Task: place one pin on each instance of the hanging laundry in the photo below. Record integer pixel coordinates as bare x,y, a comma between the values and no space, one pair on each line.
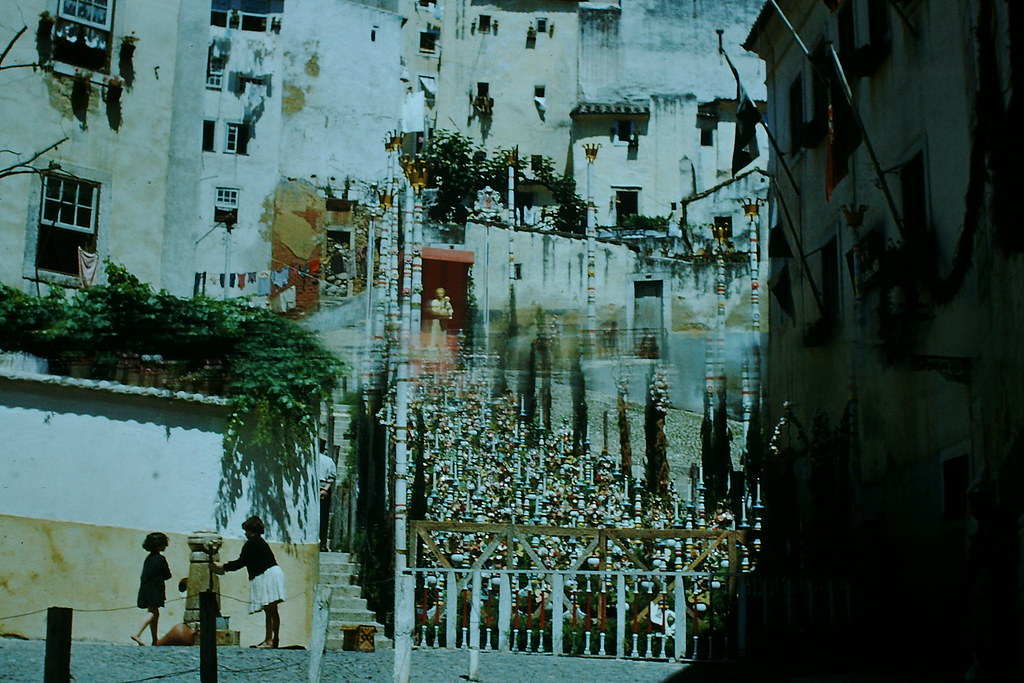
231,279
200,284
263,283
279,278
222,279
241,280
88,267
284,301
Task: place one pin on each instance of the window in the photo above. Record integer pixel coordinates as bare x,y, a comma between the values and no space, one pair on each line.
82,33
254,22
915,201
844,22
796,113
538,91
237,140
626,204
542,25
209,131
428,42
830,280
214,72
624,132
249,15
484,23
517,271
67,221
955,482
707,137
483,89
225,206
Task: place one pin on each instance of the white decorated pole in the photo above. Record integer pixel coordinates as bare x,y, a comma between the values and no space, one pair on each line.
590,150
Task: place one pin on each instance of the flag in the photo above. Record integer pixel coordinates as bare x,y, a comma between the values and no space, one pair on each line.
744,148
844,134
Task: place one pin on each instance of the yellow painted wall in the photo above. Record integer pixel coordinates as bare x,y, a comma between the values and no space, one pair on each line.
95,570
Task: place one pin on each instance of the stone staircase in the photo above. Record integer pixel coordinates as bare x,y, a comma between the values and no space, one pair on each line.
347,607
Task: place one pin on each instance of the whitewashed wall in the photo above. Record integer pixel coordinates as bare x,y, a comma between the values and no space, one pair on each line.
89,471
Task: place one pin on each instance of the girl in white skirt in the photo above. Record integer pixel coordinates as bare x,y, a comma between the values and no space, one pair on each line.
266,580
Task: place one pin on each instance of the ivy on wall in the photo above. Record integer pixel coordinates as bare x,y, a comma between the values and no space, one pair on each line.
274,373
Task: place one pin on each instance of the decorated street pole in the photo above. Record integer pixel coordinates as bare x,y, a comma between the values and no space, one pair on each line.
854,219
590,150
416,174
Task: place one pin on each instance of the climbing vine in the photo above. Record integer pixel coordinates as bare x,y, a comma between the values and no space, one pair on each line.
273,373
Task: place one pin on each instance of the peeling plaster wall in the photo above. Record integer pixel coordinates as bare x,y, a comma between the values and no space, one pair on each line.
512,69
328,95
663,55
36,110
87,474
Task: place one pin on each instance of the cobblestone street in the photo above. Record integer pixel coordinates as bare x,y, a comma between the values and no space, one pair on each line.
21,661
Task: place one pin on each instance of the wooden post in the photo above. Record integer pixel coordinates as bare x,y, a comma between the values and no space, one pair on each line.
679,639
208,637
504,611
621,614
474,629
741,618
58,645
318,637
557,604
451,607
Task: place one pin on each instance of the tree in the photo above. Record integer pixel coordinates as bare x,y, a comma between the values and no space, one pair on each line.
22,166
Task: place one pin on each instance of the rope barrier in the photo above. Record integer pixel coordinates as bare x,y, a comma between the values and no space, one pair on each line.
134,607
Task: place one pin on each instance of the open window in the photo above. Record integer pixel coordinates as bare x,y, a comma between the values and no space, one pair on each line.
214,71
225,206
236,140
627,203
247,15
209,135
428,42
67,221
81,34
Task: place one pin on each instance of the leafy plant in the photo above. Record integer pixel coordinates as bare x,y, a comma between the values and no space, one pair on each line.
279,373
460,168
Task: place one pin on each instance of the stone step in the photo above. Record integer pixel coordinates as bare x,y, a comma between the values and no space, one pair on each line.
347,603
350,617
345,590
335,557
340,574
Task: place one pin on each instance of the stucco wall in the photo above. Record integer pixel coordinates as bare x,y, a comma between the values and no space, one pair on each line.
88,472
130,161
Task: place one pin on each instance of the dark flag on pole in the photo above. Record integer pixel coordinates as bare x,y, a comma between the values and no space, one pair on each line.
744,149
843,131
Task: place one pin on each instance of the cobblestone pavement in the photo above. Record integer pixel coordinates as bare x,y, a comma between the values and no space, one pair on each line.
21,661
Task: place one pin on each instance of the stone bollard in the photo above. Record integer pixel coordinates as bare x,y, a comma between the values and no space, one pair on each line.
204,546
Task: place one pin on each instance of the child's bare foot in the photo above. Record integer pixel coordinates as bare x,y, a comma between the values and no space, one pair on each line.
136,639
265,645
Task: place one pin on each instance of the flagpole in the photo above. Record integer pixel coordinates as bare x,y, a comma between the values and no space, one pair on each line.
789,174
848,94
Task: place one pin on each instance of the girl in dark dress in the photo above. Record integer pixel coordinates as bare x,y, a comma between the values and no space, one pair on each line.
151,584
266,580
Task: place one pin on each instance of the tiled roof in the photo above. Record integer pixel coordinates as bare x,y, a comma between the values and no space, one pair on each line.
610,109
